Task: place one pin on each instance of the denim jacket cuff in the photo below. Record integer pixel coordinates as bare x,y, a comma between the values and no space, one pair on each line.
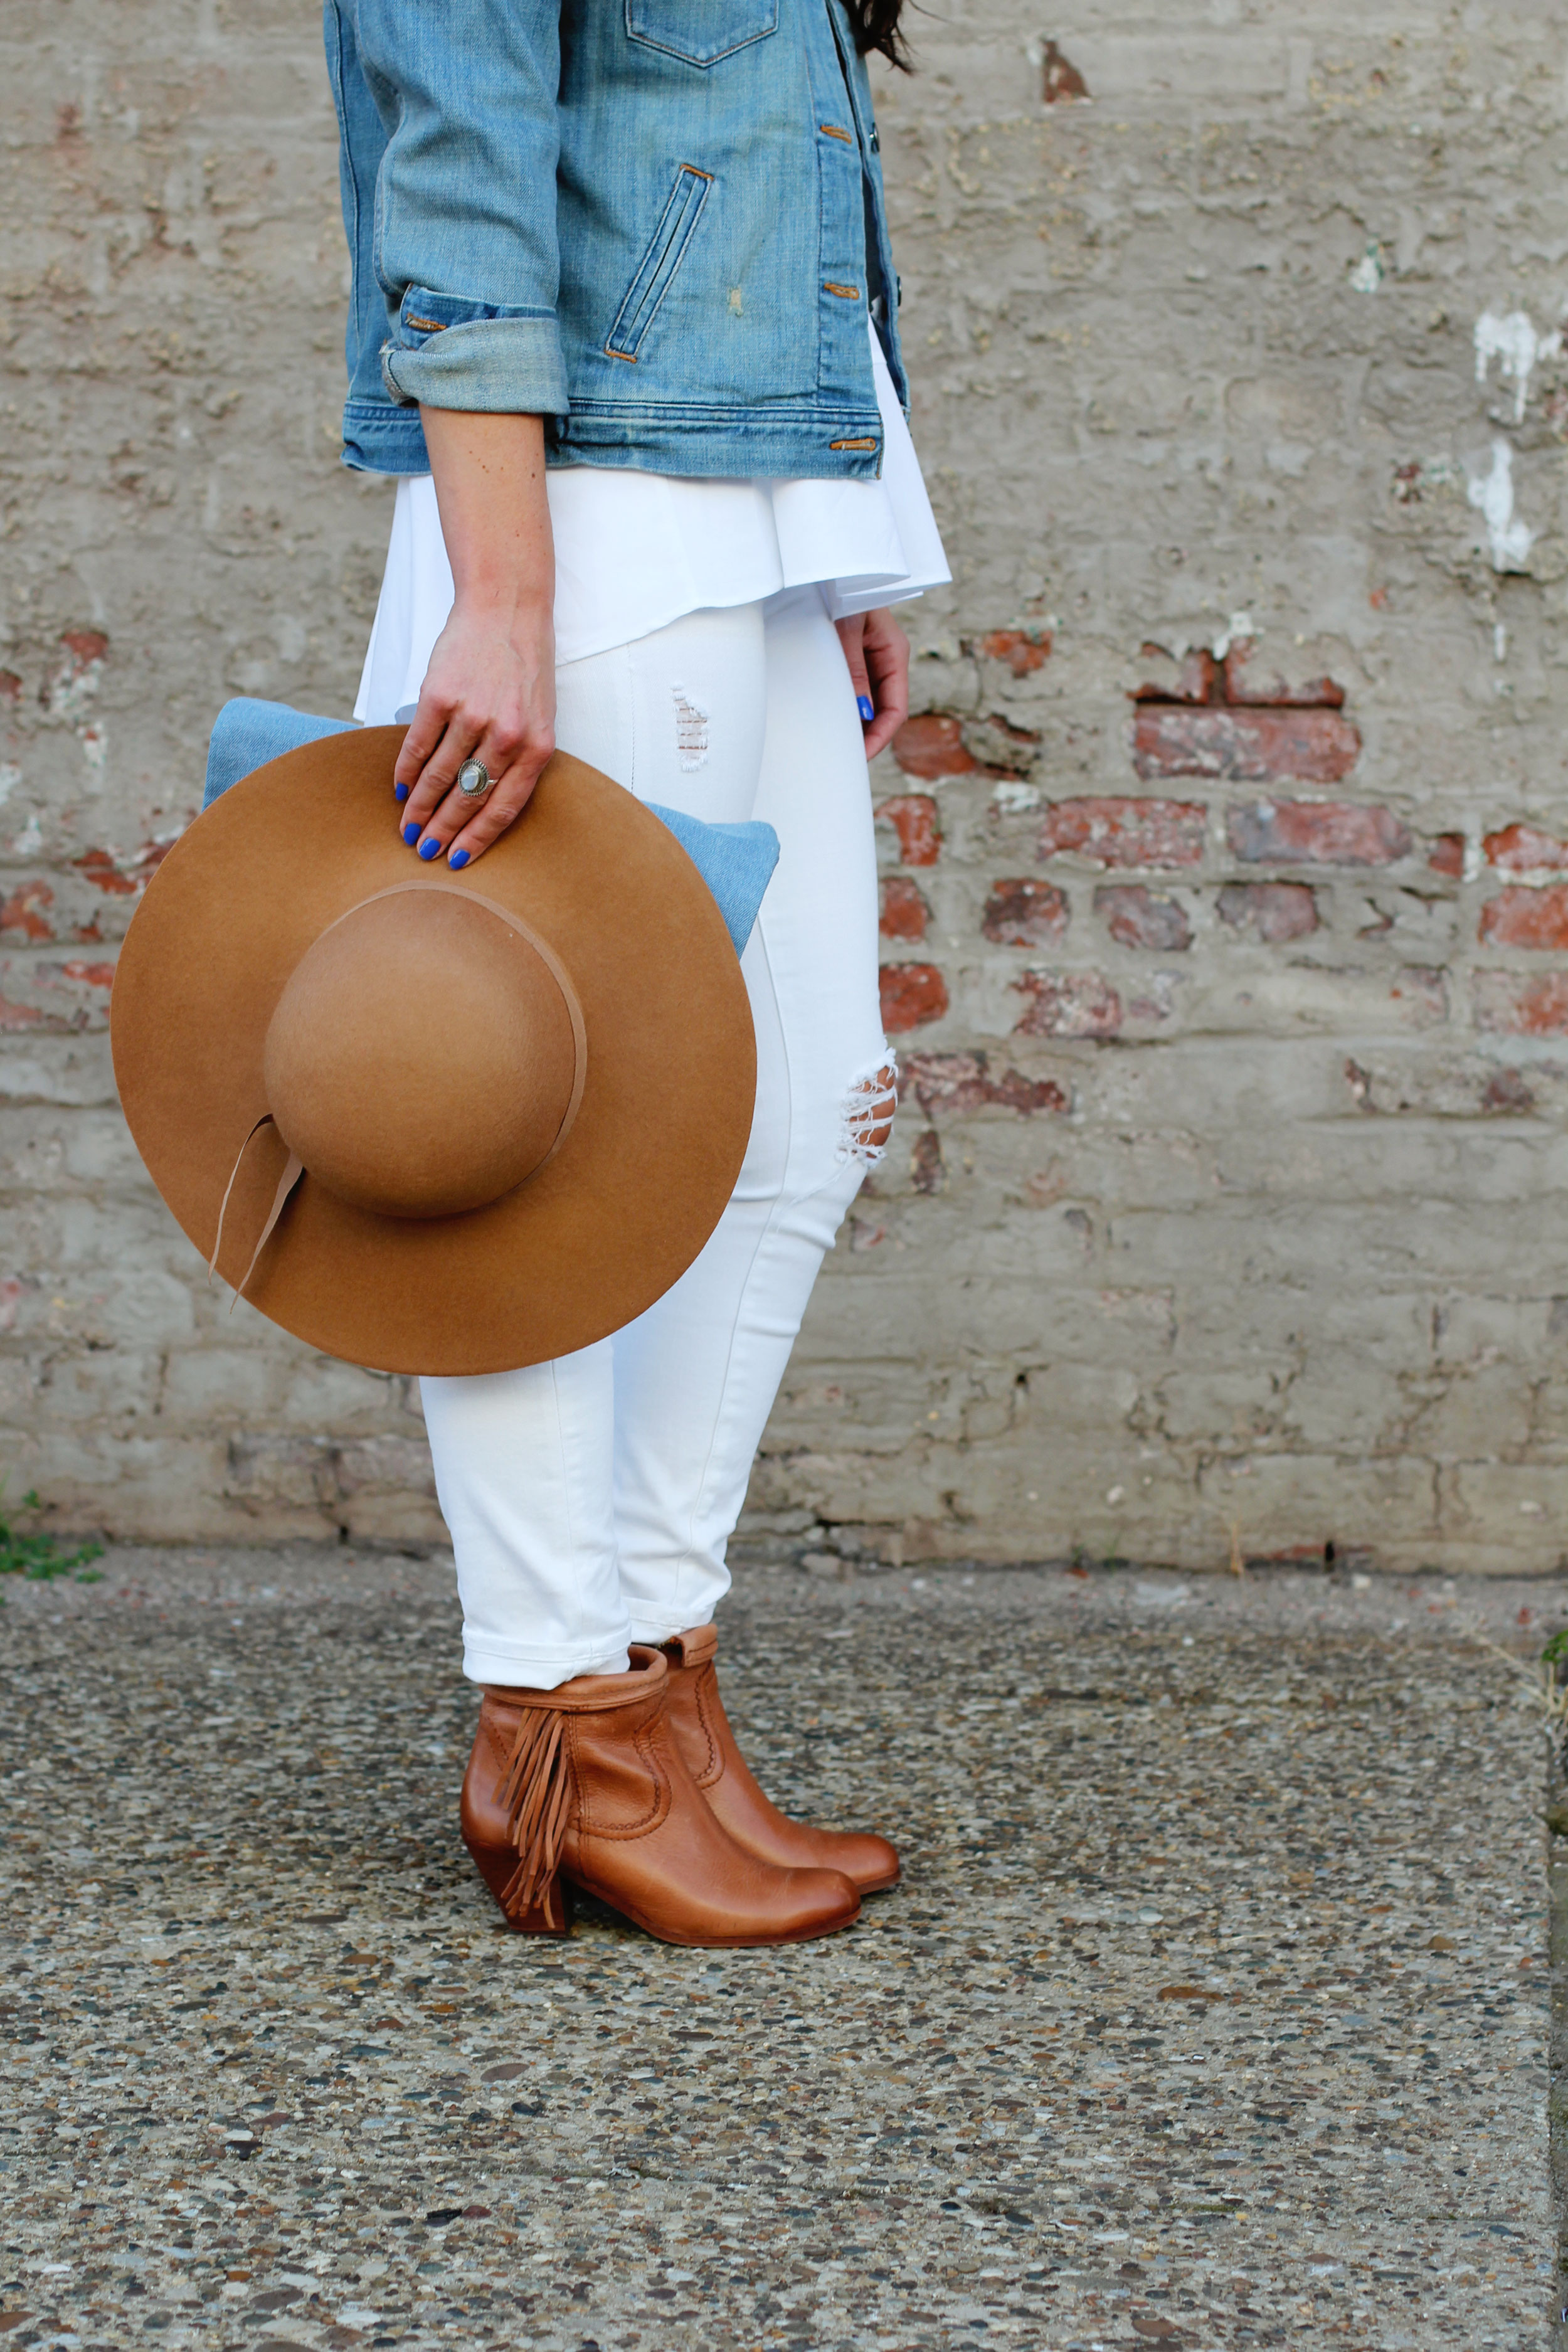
454,353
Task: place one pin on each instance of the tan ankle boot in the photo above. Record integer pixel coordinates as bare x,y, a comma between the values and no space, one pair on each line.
585,1786
702,1732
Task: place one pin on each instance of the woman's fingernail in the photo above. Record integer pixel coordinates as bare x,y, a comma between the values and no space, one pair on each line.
411,834
400,792
866,707
429,849
459,858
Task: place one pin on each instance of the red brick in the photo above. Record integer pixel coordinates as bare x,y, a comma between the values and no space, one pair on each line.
1024,913
912,995
913,818
1520,849
1131,832
1310,746
10,686
1506,1096
960,1083
931,746
24,911
93,975
1320,694
926,1174
1061,81
1022,650
1448,855
1068,1004
1522,1004
1315,832
102,867
84,646
15,1017
904,912
1277,911
1197,679
1139,918
1521,917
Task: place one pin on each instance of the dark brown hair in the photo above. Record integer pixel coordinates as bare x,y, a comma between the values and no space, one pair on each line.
876,23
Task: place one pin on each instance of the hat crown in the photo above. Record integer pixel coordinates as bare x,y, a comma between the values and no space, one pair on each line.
423,1057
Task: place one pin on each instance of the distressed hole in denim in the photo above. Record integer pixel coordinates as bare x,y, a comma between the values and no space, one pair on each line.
871,1100
690,730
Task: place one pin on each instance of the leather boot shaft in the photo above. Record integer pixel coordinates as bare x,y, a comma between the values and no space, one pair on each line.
702,1731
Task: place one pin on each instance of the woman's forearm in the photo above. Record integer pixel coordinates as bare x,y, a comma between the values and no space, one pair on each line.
490,692
490,487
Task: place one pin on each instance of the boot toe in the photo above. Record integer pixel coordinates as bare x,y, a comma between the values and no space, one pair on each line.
868,1860
824,1901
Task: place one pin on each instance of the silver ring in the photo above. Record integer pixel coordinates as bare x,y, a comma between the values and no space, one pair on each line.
474,780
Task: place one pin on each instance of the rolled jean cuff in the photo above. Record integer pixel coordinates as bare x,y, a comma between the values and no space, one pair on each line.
512,365
515,1666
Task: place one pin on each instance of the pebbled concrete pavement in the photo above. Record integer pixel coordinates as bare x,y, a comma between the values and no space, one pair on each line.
1213,2010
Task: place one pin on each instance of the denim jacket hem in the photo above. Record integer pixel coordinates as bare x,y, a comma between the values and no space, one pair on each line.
785,441
712,444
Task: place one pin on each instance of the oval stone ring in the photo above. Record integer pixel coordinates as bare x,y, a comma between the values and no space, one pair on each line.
474,780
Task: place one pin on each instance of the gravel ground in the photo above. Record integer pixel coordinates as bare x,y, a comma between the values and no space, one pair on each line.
1213,2010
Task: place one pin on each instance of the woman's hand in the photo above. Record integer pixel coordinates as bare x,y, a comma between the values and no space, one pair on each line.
490,692
878,653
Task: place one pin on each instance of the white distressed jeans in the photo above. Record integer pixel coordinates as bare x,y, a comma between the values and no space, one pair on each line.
590,1500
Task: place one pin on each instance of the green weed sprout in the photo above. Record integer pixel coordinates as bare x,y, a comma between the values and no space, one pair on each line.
39,1556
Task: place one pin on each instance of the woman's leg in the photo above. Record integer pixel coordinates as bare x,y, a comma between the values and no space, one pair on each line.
524,1460
695,1377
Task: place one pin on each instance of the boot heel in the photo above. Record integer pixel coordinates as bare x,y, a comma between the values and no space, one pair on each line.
549,1916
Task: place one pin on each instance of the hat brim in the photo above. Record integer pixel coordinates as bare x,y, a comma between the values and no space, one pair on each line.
580,1249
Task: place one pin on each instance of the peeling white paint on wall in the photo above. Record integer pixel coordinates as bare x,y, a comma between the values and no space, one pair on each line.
1367,275
1510,536
1513,343
1012,798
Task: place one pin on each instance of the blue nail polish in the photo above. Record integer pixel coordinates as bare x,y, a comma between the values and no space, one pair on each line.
459,858
429,849
411,834
400,792
866,707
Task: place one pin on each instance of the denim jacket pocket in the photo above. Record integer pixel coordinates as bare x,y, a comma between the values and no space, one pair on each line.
701,32
656,272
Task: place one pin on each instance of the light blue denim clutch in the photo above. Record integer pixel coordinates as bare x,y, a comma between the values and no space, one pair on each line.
736,861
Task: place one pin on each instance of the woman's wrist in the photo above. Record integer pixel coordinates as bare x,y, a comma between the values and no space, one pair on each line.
512,603
487,706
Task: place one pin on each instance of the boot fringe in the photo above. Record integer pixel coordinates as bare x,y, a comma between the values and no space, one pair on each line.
536,1791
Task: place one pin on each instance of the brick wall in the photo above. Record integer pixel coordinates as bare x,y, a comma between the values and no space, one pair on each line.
1225,878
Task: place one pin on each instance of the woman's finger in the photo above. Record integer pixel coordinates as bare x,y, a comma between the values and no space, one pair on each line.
852,637
425,732
888,660
463,824
500,809
438,774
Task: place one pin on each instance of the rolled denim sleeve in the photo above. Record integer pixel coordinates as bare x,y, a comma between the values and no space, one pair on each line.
464,232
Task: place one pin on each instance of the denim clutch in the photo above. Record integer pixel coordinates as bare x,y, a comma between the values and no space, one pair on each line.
736,861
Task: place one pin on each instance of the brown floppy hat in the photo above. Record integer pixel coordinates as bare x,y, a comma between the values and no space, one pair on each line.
432,1123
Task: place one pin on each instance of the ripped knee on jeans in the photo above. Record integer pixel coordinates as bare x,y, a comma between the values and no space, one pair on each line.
871,1099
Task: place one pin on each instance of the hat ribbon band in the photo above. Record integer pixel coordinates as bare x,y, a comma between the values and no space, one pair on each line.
293,1171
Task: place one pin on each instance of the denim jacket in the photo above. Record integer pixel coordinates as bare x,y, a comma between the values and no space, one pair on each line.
657,223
